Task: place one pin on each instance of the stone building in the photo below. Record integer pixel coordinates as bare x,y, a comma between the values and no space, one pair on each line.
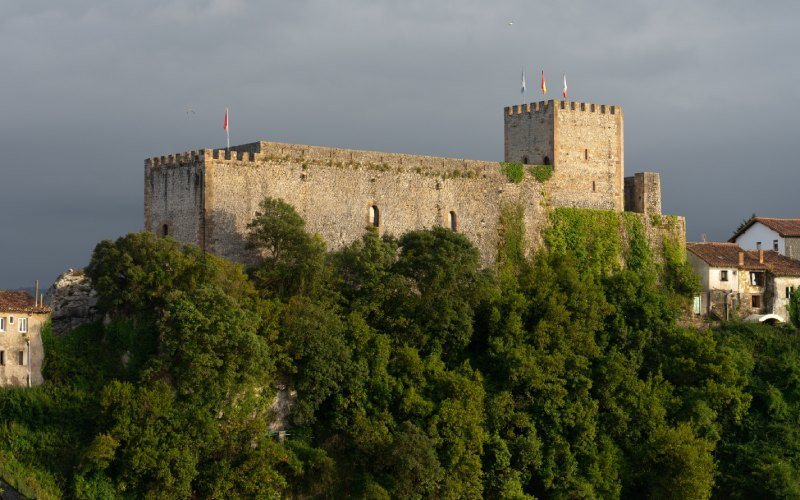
207,197
769,233
21,350
740,283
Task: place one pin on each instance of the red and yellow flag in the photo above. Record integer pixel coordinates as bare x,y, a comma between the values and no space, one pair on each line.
544,85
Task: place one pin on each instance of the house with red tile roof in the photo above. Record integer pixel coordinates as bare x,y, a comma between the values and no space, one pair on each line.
21,352
769,233
738,283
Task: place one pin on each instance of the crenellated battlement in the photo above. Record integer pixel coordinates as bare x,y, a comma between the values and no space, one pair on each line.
198,156
545,106
263,151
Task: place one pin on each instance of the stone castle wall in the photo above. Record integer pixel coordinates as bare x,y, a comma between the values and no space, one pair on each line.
583,142
643,193
208,197
334,191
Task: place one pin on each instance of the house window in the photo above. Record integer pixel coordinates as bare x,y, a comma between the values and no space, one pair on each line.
451,220
2,358
723,275
775,245
756,278
788,292
758,245
2,324
21,358
11,320
374,216
23,325
756,301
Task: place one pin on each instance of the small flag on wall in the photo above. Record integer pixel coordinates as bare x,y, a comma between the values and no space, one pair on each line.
544,85
565,86
227,129
522,90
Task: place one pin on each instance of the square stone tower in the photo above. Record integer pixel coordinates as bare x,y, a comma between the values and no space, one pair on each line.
584,143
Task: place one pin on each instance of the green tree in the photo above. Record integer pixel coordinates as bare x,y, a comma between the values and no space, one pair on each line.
290,261
794,307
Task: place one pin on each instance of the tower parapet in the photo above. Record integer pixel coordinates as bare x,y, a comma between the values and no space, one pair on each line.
584,142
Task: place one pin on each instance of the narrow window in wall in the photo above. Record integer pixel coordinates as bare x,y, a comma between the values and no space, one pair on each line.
525,160
585,154
23,325
451,221
2,358
2,324
11,320
756,301
546,160
788,292
164,230
21,357
374,216
594,187
758,245
775,245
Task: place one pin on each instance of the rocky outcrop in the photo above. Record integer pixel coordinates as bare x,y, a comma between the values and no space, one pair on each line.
72,300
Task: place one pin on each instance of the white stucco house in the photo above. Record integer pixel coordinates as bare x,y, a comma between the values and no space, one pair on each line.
768,233
738,283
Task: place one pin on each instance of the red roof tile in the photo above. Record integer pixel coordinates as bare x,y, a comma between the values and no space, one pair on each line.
17,301
727,255
785,227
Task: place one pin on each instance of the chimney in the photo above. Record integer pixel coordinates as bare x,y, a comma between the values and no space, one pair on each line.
36,295
741,259
761,256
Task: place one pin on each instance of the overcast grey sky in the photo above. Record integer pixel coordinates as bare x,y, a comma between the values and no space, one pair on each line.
89,89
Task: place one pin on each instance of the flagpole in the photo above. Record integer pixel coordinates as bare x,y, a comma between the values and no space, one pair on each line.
228,128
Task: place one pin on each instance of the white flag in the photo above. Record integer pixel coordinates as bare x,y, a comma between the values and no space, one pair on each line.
565,86
522,90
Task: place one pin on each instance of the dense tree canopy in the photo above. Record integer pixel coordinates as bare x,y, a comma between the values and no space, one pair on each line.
418,374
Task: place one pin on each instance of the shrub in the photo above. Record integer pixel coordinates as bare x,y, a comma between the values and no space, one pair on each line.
541,172
514,171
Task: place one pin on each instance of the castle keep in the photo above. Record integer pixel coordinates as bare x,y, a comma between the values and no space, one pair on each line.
207,197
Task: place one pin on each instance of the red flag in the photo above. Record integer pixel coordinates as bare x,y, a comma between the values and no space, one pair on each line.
225,125
565,86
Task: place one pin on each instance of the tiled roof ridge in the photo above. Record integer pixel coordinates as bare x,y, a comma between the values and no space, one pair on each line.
20,301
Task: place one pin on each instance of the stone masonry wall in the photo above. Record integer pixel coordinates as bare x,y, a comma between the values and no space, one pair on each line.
584,143
779,300
334,190
589,150
335,197
643,193
792,248
529,133
208,197
174,198
28,345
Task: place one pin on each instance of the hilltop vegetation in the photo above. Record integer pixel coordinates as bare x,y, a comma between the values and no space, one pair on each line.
418,374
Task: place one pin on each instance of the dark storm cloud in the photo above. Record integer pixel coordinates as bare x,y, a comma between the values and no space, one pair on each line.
89,89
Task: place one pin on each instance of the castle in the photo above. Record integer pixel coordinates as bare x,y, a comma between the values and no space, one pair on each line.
207,197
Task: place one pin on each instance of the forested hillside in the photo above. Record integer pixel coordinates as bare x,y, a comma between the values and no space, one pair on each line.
418,374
